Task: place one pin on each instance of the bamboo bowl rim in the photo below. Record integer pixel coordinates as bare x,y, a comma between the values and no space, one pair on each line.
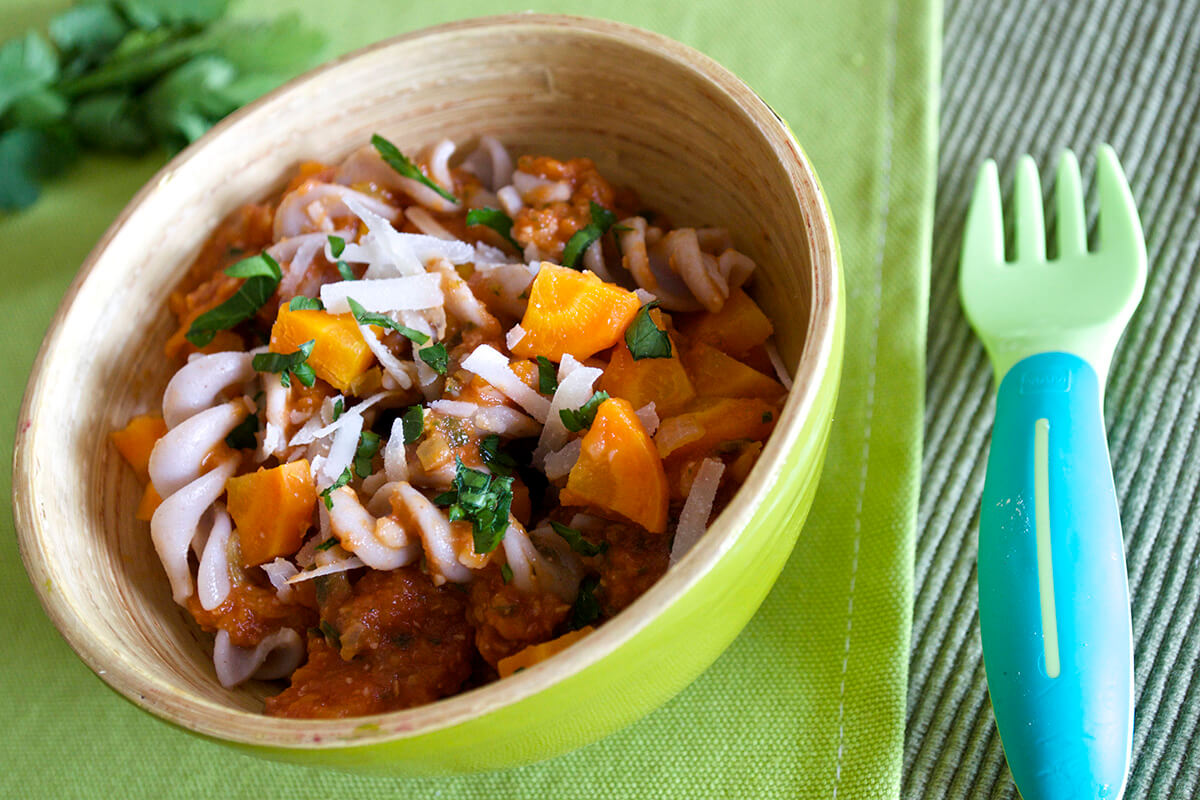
127,676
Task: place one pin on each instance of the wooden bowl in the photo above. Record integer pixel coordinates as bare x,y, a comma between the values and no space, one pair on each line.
689,136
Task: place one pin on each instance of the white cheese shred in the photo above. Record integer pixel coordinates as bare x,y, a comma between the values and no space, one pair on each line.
777,362
488,363
693,520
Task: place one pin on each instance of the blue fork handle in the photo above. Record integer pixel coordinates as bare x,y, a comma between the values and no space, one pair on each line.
1053,594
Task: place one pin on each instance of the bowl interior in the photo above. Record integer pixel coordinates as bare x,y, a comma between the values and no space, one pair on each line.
655,116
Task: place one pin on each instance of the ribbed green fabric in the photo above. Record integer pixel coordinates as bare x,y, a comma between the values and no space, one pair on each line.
809,701
1029,76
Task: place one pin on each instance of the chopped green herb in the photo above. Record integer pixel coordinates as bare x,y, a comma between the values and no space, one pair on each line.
644,338
336,245
344,270
327,492
506,573
482,499
586,609
436,357
582,417
331,635
368,446
327,544
767,416
242,436
602,220
399,162
288,364
498,461
262,274
547,376
497,220
339,405
578,543
302,303
413,424
364,317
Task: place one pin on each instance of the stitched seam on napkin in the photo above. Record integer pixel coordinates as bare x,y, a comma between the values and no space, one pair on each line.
885,195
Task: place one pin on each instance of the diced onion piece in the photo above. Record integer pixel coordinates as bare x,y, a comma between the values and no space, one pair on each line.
510,200
515,335
777,363
643,296
454,408
278,572
693,520
649,418
409,293
559,463
488,363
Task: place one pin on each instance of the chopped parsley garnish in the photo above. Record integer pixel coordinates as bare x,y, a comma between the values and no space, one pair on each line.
644,338
547,376
582,417
495,219
413,424
336,245
339,405
368,446
586,609
506,573
578,543
482,499
767,416
436,357
331,635
327,492
327,544
262,274
242,436
344,270
602,220
288,365
302,303
401,163
364,317
500,462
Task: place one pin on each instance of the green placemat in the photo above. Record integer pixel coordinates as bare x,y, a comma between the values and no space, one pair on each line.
1027,76
809,701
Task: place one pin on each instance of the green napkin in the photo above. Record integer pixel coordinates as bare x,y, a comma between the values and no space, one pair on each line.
809,701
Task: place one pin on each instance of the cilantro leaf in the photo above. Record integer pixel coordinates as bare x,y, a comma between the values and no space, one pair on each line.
262,275
27,63
302,303
242,436
436,357
111,121
582,417
331,635
547,376
368,446
578,543
326,493
506,573
364,317
586,609
183,104
288,364
339,405
27,156
336,246
328,544
498,461
497,220
644,338
399,162
412,424
85,33
344,270
484,500
602,220
151,14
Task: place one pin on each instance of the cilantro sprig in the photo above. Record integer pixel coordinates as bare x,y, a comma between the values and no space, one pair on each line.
242,436
368,446
436,357
128,76
581,240
586,609
482,499
288,365
498,461
262,274
577,419
337,245
302,303
575,539
547,376
327,492
412,424
497,220
401,163
364,317
644,338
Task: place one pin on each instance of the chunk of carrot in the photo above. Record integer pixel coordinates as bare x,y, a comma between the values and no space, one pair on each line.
537,653
619,470
662,381
737,328
136,441
715,374
272,509
711,422
149,503
573,312
339,354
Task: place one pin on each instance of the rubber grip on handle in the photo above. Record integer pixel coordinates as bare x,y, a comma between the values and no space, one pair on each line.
1053,593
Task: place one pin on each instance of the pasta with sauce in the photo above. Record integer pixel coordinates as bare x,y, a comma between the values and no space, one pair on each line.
440,418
